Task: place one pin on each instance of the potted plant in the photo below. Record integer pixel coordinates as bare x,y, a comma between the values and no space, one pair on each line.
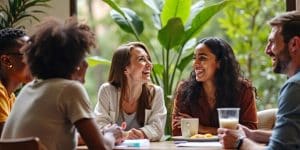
15,11
177,23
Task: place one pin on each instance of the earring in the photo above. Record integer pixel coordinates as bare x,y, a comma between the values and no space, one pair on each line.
10,66
78,68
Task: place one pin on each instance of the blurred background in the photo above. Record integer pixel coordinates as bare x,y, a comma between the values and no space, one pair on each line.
242,24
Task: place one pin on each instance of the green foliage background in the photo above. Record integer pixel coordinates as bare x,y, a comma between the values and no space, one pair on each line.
242,24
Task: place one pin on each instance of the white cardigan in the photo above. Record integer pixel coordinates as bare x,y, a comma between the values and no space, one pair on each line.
107,111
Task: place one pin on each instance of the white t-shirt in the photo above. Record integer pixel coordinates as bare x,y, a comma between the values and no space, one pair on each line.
48,109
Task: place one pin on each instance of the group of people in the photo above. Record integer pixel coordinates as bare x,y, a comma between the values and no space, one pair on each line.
54,106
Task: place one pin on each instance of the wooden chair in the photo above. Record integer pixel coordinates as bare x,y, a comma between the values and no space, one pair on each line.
266,119
27,143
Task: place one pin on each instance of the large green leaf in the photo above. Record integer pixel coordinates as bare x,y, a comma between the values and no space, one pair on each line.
114,6
172,34
155,5
189,45
203,17
195,10
97,60
131,23
185,61
158,69
175,8
156,21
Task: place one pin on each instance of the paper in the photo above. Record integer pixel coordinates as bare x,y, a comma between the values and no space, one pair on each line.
216,145
135,143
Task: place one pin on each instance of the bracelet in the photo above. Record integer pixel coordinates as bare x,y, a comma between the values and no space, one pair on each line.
239,142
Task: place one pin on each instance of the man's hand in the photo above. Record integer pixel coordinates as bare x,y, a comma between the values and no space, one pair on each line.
229,137
116,131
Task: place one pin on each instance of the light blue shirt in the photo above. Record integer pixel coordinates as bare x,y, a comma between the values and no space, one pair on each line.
286,133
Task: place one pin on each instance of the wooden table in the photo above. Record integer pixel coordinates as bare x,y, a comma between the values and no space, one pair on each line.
165,145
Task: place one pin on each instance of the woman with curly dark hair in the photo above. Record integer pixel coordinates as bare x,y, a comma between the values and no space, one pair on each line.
53,107
215,82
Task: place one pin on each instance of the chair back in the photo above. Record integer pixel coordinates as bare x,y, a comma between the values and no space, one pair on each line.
27,143
266,119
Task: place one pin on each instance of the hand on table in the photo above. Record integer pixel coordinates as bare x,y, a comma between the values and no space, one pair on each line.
135,134
116,131
177,119
229,137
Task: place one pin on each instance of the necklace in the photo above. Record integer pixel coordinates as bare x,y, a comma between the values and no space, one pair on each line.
211,101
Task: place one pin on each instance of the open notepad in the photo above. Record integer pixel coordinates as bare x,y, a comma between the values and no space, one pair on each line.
202,145
135,143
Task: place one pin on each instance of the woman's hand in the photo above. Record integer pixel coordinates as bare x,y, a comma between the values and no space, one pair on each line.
177,119
135,134
116,131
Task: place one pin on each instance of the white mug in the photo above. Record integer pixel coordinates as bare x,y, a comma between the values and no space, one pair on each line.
189,126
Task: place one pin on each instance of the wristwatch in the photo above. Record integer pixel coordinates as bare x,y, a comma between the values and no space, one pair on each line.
239,142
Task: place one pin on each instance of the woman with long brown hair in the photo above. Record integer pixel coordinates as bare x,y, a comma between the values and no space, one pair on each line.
129,97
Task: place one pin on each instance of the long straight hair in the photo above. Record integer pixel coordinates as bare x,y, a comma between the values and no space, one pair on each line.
117,78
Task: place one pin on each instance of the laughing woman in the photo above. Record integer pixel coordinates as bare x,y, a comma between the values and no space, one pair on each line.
215,82
129,97
13,70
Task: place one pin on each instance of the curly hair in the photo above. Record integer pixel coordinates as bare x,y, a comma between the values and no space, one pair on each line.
56,49
9,38
227,78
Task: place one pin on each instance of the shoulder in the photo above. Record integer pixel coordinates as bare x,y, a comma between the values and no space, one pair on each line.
107,90
71,86
107,86
246,83
157,88
3,93
291,86
63,86
183,84
294,79
246,86
154,89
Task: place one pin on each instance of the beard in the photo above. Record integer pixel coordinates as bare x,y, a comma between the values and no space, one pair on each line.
283,59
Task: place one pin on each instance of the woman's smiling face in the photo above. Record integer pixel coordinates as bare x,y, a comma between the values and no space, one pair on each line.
205,63
140,66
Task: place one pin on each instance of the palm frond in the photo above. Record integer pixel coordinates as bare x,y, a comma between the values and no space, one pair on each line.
16,10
